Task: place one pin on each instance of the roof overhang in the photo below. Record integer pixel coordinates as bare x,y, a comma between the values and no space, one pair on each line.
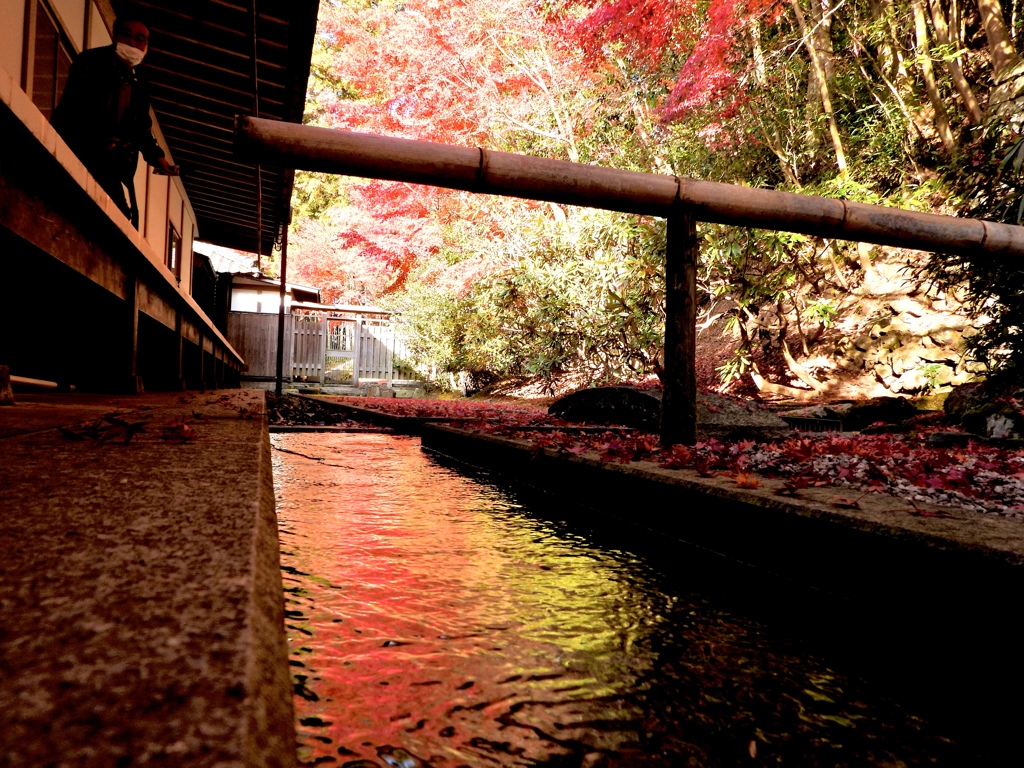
200,66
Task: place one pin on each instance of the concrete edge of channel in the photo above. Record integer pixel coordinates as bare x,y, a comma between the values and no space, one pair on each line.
991,538
269,712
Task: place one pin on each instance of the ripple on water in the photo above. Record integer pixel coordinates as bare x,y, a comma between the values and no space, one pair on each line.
432,619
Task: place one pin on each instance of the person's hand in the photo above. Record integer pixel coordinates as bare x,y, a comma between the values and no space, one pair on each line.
166,168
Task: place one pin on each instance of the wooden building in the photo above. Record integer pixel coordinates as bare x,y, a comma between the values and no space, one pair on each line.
88,300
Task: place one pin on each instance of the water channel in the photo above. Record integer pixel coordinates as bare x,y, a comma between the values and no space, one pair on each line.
436,618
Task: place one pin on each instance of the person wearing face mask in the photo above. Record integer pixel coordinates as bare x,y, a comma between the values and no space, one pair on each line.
103,114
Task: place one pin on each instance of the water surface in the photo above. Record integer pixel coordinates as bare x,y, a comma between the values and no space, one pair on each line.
433,618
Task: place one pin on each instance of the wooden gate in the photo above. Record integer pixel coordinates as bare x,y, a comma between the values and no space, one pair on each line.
308,348
339,351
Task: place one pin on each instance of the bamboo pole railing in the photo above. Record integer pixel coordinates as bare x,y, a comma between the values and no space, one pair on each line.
682,201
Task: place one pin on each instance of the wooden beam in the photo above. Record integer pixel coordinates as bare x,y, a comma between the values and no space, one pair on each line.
291,145
679,399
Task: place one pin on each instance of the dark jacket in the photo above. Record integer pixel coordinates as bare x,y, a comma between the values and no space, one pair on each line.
103,115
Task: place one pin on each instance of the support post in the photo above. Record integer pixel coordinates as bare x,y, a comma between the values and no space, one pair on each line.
202,363
179,328
134,380
679,402
357,335
280,311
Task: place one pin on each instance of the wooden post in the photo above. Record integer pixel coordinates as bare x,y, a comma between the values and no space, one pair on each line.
202,363
134,381
179,324
357,349
679,402
280,311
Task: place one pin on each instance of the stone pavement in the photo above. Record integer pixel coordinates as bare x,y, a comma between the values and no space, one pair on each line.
141,604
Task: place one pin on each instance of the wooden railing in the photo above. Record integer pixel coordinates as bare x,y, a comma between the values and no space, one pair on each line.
683,202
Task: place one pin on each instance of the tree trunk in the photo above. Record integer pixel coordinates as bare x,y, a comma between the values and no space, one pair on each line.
956,72
1000,44
819,70
940,119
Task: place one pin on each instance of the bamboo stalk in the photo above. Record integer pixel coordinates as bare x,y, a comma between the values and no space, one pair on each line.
477,170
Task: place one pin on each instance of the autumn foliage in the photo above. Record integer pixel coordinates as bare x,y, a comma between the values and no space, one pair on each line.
880,103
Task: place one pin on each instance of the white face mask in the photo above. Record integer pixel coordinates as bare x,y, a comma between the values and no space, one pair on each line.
130,55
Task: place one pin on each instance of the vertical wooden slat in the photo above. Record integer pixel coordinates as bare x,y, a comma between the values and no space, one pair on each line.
357,351
389,350
283,278
679,402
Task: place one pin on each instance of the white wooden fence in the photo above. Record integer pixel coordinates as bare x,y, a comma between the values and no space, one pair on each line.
321,349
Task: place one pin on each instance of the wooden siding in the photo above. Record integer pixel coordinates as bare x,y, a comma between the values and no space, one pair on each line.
254,336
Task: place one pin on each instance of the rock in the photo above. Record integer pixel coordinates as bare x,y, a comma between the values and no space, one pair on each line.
410,392
717,416
933,354
965,399
906,305
883,371
932,402
991,407
625,406
904,359
947,337
998,426
889,410
727,419
950,439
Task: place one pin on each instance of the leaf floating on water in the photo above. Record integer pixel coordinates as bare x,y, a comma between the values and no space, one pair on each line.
301,690
315,722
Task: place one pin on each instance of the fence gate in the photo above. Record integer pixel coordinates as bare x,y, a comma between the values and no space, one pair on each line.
331,350
364,350
308,351
339,351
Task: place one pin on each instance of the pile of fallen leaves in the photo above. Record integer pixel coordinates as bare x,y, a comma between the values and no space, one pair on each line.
977,476
303,411
457,410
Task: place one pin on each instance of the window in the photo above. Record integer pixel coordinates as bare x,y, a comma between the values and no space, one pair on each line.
51,61
173,249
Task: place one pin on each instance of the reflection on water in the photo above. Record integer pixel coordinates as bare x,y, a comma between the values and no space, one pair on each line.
432,619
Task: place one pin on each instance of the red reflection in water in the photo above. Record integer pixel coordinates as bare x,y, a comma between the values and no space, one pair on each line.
427,633
429,619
